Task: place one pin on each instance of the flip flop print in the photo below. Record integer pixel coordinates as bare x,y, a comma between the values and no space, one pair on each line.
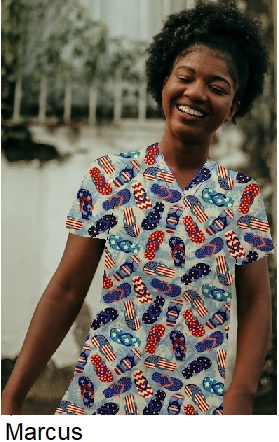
175,403
157,343
121,386
178,345
251,222
166,381
85,203
165,193
196,272
210,342
154,241
154,310
259,242
131,318
109,408
209,249
87,391
217,198
173,311
194,327
235,248
177,251
131,406
197,396
221,222
142,294
141,198
192,229
127,174
101,342
219,317
118,293
154,336
165,287
129,361
106,163
124,338
117,200
196,302
196,207
151,154
173,217
79,368
153,217
130,223
127,268
107,281
155,361
249,194
123,245
102,225
102,186
201,176
104,317
224,179
156,403
157,174
142,385
223,273
196,366
219,294
102,371
156,268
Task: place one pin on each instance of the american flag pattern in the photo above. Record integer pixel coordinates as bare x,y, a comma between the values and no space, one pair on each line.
157,320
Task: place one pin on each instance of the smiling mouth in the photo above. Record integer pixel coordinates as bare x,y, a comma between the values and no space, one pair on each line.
189,111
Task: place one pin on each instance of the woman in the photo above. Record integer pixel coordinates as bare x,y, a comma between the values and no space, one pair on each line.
178,230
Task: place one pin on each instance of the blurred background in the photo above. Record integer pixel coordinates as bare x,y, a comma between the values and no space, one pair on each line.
73,88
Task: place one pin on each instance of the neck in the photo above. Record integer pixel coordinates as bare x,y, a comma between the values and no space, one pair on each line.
182,155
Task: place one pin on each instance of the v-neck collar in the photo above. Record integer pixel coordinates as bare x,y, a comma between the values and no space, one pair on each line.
200,177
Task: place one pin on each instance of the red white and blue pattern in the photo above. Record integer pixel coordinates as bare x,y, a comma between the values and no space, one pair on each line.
158,342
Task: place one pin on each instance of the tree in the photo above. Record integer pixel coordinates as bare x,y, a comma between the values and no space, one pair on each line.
15,30
259,130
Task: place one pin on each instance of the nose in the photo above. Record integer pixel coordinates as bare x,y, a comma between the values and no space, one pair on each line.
196,91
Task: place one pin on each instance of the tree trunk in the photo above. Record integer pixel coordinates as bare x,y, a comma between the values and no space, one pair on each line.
92,114
117,107
17,99
43,99
67,102
142,101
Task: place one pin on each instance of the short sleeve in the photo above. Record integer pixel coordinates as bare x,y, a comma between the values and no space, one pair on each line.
87,216
253,231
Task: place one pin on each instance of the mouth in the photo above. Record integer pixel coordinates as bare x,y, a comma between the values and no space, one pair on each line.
189,111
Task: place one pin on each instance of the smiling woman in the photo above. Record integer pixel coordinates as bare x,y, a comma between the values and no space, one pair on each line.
178,230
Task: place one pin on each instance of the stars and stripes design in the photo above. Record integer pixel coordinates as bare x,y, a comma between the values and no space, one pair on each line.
158,325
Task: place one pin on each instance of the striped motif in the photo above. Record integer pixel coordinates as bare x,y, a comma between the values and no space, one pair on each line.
141,198
72,224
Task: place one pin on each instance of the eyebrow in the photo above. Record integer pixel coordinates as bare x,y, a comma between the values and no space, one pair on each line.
213,77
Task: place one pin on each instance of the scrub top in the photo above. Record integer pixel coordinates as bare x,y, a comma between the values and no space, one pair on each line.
158,343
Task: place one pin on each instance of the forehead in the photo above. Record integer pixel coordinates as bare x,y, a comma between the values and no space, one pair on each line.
210,60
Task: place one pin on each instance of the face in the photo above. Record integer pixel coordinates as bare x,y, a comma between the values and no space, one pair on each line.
198,96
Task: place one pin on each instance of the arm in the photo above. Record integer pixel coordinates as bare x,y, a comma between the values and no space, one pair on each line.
53,317
253,335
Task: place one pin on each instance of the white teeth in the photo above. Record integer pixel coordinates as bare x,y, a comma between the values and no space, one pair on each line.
190,111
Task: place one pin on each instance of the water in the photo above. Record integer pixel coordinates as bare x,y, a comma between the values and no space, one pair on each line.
35,202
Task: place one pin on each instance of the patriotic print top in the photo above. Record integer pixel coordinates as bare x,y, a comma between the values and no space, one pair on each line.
158,343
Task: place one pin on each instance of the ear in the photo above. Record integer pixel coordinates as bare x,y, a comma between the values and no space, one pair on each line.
234,108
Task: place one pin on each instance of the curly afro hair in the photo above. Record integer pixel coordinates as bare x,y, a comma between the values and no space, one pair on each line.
222,27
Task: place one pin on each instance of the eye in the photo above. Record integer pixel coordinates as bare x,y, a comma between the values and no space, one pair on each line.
218,90
185,79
